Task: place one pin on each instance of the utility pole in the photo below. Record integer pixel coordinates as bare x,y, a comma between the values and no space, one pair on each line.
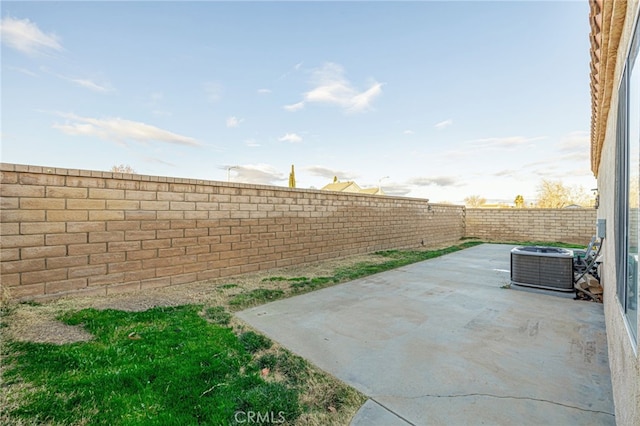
380,181
229,172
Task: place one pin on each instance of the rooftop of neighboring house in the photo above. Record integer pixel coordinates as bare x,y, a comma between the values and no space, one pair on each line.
351,186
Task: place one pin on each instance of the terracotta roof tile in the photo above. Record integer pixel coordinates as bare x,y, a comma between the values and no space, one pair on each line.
606,19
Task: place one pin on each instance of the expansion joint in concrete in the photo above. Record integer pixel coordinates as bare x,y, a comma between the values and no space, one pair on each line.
393,412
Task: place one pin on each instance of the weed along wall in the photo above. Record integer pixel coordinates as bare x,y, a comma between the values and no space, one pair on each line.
565,225
95,233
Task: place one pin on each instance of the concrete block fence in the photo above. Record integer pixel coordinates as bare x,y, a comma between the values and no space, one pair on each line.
87,232
566,225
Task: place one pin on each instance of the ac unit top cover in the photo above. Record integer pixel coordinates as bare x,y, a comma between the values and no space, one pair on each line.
542,251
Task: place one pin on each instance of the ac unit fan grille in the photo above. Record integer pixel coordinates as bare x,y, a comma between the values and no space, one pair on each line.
545,272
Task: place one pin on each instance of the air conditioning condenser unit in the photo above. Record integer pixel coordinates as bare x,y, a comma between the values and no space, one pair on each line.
549,268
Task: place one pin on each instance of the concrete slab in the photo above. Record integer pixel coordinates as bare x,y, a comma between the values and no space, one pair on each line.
441,342
373,414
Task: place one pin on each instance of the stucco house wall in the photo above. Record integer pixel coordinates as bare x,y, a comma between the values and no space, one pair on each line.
622,347
623,360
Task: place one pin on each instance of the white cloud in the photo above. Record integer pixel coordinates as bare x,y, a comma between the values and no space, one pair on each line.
363,101
290,137
328,173
259,174
234,121
120,131
158,161
443,124
25,36
81,82
331,87
537,163
408,132
550,172
294,107
251,143
24,71
156,96
294,69
213,91
437,181
576,156
502,143
575,141
264,91
91,85
505,173
397,189
455,154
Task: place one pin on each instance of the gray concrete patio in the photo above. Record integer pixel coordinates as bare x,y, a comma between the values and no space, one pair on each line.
440,342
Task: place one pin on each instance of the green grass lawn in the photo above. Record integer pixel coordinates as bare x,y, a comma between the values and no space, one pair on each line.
165,366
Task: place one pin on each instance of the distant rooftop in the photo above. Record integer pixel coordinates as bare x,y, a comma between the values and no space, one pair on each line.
351,186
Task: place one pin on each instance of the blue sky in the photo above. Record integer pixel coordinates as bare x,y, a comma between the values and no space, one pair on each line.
437,100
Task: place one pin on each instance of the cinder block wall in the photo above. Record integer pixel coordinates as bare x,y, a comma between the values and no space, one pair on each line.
95,233
565,225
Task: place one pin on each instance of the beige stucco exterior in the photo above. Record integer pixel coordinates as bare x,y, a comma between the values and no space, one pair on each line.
623,355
